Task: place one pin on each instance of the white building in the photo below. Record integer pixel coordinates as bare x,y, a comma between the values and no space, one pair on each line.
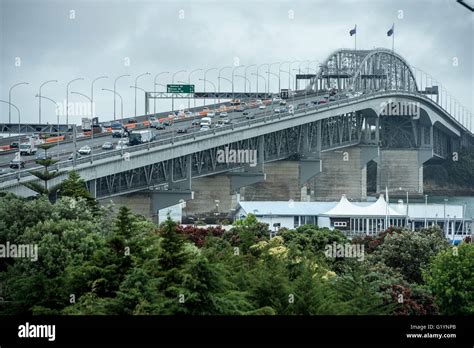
359,218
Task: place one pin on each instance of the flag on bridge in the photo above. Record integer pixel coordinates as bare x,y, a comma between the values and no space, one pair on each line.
390,32
353,31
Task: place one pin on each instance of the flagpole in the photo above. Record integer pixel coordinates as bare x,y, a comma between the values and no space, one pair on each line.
393,37
355,38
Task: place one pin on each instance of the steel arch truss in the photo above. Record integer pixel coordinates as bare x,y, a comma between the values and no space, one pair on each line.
364,70
334,132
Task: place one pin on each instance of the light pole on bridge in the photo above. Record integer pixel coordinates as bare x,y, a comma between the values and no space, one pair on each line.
219,80
245,76
233,72
10,102
115,91
92,128
204,79
39,99
136,87
57,115
121,113
189,82
19,126
154,88
67,98
172,96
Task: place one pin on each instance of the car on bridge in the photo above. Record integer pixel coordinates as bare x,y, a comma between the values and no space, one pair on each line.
107,146
122,144
43,156
262,106
132,120
223,122
85,150
196,124
205,128
71,156
223,114
322,101
248,115
17,164
182,130
211,114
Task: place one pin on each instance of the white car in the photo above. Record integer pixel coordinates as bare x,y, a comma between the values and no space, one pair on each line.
262,106
211,114
85,150
223,114
277,111
122,144
205,128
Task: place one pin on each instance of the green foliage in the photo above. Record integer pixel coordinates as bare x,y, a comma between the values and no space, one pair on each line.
410,251
450,276
93,261
75,187
44,175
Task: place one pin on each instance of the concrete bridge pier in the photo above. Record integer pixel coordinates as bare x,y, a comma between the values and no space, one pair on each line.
344,171
402,168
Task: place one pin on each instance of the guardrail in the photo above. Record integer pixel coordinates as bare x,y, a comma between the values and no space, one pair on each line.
263,117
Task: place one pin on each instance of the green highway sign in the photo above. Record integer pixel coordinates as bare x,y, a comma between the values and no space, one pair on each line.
180,88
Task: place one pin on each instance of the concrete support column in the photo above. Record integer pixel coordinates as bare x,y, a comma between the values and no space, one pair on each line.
402,168
344,171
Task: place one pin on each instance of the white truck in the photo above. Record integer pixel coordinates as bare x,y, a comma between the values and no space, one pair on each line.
28,148
206,121
137,137
86,124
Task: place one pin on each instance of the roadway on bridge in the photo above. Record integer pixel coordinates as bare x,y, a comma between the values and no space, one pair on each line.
64,150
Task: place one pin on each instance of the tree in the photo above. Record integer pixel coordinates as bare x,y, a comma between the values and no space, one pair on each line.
450,276
410,251
44,175
75,187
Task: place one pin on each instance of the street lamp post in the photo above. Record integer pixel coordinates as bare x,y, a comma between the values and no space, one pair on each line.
57,115
219,80
10,102
115,90
154,89
246,80
92,128
39,99
279,74
172,95
426,207
245,76
233,71
257,74
204,80
136,81
19,126
268,76
189,82
121,113
263,77
67,98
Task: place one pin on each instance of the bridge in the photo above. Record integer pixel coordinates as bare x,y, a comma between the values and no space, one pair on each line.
379,114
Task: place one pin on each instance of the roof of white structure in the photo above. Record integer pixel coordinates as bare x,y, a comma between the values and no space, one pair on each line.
344,208
285,208
347,209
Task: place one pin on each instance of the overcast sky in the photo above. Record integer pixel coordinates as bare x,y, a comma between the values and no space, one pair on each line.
68,39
